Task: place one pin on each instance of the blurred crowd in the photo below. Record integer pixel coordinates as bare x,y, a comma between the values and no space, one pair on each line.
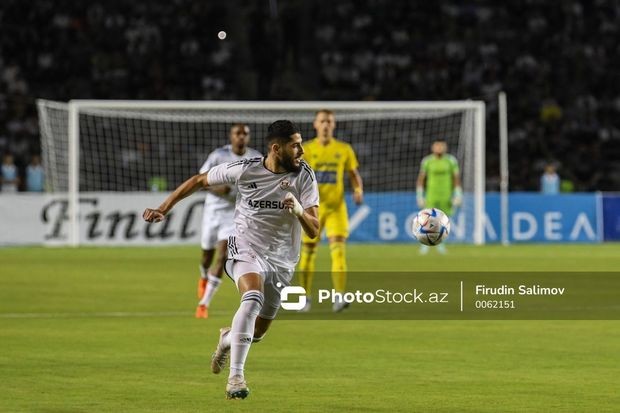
559,63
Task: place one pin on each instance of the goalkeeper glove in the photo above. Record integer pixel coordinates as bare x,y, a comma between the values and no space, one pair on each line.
457,197
297,209
419,197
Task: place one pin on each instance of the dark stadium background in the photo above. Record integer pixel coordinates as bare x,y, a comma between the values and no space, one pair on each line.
559,63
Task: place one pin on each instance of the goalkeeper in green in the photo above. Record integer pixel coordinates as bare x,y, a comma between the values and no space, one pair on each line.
439,184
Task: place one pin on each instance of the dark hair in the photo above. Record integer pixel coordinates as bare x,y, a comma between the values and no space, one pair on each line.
239,125
281,131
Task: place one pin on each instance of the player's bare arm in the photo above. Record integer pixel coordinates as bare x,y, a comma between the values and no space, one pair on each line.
310,221
357,185
457,180
184,190
308,218
420,181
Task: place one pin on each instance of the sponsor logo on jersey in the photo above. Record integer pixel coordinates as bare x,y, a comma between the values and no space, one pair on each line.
326,177
252,185
265,204
326,165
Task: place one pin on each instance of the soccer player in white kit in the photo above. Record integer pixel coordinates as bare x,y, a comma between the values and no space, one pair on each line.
277,198
218,217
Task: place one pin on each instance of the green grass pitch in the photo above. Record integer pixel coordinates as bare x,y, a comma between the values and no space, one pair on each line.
112,330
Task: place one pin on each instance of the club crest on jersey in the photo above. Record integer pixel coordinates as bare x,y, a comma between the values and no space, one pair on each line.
284,184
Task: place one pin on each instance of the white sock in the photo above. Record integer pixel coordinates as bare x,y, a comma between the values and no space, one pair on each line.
242,330
226,340
212,285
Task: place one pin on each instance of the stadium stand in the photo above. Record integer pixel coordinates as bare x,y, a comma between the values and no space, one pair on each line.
320,51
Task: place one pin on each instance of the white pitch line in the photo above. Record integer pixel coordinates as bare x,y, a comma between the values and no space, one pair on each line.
110,314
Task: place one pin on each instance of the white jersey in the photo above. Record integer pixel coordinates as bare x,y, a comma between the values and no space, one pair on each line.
223,155
260,218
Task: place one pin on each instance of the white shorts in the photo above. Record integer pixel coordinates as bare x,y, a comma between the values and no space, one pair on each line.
216,226
242,259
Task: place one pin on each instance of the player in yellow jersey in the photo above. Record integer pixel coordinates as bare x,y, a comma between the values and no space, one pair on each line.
330,159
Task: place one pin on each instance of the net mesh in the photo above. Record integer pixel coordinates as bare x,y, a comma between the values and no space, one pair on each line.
139,149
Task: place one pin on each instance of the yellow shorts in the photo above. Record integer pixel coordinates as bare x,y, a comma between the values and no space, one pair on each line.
335,221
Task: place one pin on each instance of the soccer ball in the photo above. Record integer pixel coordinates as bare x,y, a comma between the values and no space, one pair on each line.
431,226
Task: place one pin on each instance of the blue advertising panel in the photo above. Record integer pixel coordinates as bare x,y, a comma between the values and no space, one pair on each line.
533,217
611,214
383,217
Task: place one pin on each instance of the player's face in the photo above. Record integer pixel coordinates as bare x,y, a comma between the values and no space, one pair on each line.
239,136
439,148
324,124
290,154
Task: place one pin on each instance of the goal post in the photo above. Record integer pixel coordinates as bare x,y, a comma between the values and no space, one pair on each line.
73,173
116,145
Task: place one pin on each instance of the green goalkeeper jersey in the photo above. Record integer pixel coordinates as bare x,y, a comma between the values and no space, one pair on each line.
439,175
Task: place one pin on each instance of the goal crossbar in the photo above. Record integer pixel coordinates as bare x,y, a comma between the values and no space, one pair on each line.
124,108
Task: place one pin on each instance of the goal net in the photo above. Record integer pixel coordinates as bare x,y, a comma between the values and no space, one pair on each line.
140,146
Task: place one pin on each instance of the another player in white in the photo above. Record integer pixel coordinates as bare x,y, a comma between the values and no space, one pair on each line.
218,217
278,197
